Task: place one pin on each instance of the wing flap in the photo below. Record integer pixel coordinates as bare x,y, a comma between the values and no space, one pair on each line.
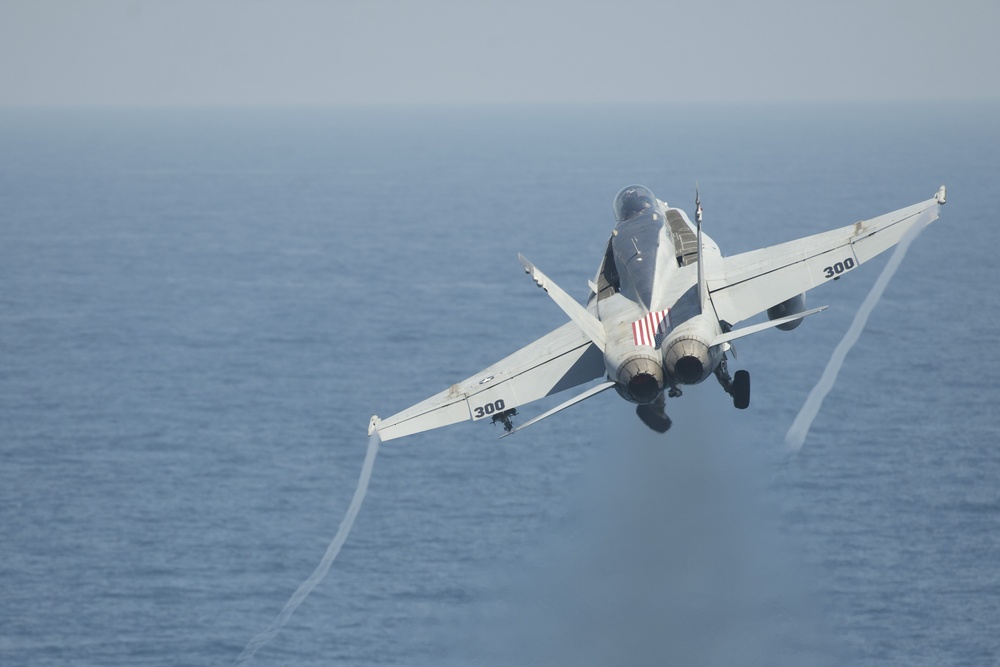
749,283
561,359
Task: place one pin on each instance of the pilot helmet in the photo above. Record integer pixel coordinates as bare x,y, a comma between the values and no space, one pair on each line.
631,201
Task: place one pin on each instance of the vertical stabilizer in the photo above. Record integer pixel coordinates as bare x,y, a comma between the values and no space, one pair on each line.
702,287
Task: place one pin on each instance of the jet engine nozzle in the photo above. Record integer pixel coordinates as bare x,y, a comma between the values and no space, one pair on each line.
640,379
688,360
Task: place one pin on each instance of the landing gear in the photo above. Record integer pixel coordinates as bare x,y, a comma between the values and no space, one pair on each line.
654,416
504,418
738,387
741,390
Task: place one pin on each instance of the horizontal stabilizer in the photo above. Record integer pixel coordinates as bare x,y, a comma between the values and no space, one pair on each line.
593,391
746,331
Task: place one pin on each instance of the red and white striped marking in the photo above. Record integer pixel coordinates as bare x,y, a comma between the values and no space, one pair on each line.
651,329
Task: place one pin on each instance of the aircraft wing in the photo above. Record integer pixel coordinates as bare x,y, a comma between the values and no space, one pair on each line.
750,283
561,359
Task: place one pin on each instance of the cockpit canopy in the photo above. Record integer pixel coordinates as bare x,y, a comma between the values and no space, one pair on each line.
632,201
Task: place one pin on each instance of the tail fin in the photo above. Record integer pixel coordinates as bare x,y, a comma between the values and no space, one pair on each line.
583,318
702,287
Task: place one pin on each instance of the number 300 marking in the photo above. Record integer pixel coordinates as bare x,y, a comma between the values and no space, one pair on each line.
488,409
838,268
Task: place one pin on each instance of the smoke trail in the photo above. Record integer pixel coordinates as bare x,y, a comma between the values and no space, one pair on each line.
331,553
669,554
803,421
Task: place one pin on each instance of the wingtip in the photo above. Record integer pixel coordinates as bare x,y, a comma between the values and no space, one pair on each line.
941,195
373,424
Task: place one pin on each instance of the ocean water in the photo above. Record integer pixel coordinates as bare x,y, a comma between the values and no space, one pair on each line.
199,311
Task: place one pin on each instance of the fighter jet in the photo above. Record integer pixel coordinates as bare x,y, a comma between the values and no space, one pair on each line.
660,316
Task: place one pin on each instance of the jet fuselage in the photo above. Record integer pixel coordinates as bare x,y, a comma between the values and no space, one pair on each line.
658,333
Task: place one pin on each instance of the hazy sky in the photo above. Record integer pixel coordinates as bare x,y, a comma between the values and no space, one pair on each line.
221,52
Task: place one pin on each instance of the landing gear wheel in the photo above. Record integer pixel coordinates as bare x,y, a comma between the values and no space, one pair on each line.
654,416
741,390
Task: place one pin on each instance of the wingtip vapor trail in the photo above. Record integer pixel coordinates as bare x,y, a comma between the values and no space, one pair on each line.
799,429
332,550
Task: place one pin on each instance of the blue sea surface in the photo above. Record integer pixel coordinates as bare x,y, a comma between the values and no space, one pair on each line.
200,310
